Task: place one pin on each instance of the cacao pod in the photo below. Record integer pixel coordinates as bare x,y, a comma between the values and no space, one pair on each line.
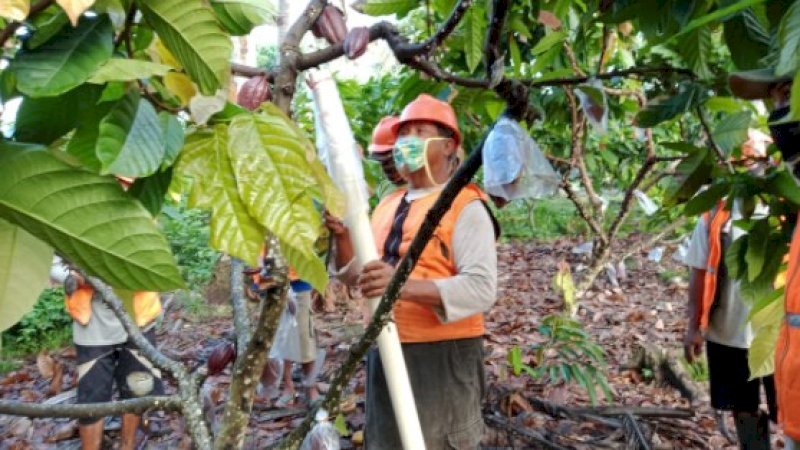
330,25
220,357
356,42
254,92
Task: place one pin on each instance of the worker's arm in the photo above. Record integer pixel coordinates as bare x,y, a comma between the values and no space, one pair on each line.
693,340
343,254
696,259
375,277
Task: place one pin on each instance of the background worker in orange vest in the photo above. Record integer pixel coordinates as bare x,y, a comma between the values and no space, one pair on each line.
719,316
380,149
440,312
765,84
106,356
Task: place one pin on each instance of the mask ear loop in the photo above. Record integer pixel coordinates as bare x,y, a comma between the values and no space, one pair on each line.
427,165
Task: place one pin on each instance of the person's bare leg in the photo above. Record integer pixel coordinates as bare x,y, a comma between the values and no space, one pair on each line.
92,435
288,396
127,434
312,393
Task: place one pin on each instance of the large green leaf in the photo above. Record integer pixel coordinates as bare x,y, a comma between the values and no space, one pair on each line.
747,40
121,69
474,26
87,218
239,17
694,172
783,185
84,140
65,61
275,182
696,48
204,159
757,241
131,140
789,41
715,15
43,120
191,32
24,267
45,25
150,191
766,325
731,131
385,7
706,200
173,133
549,41
660,110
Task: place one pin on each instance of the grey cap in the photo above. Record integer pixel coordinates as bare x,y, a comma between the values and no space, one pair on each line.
754,84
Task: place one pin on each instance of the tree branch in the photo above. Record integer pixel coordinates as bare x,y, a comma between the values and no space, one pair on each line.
241,316
659,70
286,75
426,47
491,48
243,70
382,313
85,410
624,208
252,358
11,28
149,351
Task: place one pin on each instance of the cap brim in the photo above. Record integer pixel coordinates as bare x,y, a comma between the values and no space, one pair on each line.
754,84
373,148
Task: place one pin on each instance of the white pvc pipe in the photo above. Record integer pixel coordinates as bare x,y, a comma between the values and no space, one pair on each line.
338,152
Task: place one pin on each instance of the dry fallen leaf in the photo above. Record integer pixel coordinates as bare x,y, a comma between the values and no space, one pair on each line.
549,19
45,363
58,376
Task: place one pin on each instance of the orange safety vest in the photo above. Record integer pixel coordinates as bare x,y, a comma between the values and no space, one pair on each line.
715,225
417,322
146,305
787,353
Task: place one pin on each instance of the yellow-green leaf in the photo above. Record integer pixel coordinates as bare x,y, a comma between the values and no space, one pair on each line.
24,267
74,8
766,325
276,184
204,159
121,69
181,86
16,10
189,29
564,285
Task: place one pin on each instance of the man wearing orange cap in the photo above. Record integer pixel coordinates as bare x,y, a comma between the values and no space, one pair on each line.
439,314
785,131
380,149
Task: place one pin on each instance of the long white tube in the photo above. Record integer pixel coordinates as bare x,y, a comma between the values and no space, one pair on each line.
338,152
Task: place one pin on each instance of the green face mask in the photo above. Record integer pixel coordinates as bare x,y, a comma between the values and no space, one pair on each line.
411,152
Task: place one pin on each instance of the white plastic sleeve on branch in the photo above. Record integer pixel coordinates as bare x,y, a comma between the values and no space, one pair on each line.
338,151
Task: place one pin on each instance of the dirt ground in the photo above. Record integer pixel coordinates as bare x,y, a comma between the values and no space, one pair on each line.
646,308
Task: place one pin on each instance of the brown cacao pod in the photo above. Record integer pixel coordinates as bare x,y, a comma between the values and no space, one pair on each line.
220,357
330,25
356,42
254,92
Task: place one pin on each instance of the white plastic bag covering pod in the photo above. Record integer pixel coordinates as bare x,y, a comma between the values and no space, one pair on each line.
344,166
323,436
513,165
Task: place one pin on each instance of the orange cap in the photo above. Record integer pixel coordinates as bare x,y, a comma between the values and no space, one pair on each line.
430,109
383,136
